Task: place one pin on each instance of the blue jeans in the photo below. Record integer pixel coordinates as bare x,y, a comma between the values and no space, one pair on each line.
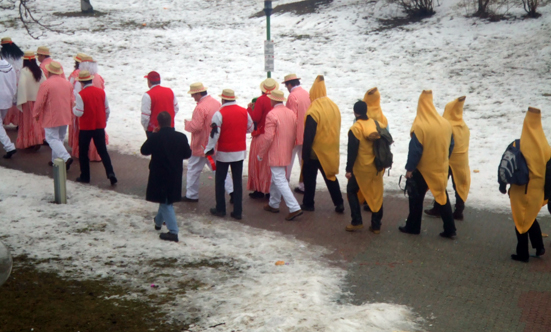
166,214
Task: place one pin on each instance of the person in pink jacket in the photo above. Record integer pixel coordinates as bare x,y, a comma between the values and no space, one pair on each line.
276,145
43,56
53,109
298,102
199,127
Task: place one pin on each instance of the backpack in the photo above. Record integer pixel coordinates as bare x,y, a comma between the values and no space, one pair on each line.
381,149
513,168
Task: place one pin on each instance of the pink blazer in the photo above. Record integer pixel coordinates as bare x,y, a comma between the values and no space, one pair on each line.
199,126
279,136
298,102
54,102
45,71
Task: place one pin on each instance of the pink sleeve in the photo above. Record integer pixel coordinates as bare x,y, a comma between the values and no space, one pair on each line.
40,99
197,121
269,134
292,104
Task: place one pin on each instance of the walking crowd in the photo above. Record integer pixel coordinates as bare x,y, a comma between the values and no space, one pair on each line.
43,104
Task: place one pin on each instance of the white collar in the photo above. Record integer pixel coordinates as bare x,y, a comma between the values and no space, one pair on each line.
294,88
154,86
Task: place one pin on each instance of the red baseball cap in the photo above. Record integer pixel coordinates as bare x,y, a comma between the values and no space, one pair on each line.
153,76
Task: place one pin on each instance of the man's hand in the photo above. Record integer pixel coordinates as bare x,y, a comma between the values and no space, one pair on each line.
409,175
348,175
250,105
210,152
503,188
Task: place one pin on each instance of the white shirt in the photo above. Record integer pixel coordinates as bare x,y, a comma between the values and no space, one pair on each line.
146,108
8,85
78,110
227,157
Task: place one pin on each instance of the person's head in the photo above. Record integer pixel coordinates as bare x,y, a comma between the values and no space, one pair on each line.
54,68
85,78
197,91
78,59
268,85
29,61
360,110
42,53
228,96
291,81
164,119
276,97
153,78
9,49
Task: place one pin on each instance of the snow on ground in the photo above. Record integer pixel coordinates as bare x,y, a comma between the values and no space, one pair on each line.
102,234
502,67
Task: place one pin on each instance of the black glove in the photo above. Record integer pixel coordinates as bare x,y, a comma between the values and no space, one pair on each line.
210,152
503,188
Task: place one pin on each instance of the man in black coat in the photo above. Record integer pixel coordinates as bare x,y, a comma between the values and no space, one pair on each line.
168,148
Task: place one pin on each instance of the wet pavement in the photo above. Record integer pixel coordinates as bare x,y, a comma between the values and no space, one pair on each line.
466,284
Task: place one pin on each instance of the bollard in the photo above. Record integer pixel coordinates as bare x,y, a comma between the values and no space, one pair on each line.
6,263
60,181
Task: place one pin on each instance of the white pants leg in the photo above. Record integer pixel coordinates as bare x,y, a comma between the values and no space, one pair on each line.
297,151
4,138
195,166
280,187
55,137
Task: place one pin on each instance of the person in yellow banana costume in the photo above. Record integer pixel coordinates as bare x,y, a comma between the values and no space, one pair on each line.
459,160
427,167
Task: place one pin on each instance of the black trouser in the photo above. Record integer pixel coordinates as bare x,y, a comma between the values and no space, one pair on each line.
352,190
220,178
84,138
535,237
309,174
148,133
417,190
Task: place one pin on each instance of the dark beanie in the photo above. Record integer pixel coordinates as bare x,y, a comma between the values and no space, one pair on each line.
360,108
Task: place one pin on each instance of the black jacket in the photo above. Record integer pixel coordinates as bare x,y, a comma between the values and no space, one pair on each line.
168,148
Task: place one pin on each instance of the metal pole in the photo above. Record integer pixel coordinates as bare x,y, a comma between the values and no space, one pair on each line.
268,12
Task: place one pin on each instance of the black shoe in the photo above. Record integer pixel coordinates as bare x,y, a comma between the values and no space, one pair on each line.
79,179
113,179
520,259
169,237
231,198
256,194
307,208
68,164
9,154
339,208
403,229
367,208
217,213
190,200
45,143
299,191
36,147
435,212
50,164
235,216
267,196
457,215
540,252
157,228
448,235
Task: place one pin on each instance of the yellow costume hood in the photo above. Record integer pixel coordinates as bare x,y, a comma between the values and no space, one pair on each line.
328,118
373,100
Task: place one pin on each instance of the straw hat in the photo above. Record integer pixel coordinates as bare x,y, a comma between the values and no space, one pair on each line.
85,58
84,75
79,57
6,40
277,95
290,77
43,50
196,88
29,55
54,67
269,85
228,94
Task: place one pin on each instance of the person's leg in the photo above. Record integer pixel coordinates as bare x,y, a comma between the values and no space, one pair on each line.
63,154
333,187
219,178
535,236
459,203
228,184
159,219
309,175
84,137
4,138
298,149
275,193
416,196
289,167
101,147
283,189
522,247
447,216
376,219
352,190
237,175
169,217
195,165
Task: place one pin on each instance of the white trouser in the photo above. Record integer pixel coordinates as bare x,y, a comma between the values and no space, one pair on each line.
297,151
280,187
194,168
55,137
4,138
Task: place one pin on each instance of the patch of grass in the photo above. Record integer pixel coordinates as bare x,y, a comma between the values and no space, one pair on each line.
96,13
297,8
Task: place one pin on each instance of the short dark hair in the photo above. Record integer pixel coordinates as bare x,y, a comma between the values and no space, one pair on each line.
293,82
155,83
86,82
164,119
203,93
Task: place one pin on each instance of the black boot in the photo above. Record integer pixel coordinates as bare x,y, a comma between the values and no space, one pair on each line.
434,212
459,207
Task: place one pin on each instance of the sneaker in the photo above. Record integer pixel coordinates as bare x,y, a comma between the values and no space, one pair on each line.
9,154
190,200
79,179
374,231
235,216
157,228
113,179
520,259
339,208
268,208
434,212
307,208
293,215
256,194
448,235
299,191
169,237
352,228
68,164
217,213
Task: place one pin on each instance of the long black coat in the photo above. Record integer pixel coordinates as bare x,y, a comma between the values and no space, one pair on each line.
168,148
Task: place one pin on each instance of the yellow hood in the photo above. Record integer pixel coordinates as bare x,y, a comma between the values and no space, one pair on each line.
318,89
454,112
373,100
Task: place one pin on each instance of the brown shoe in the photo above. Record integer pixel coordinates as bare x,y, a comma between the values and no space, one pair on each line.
293,215
268,208
374,231
352,228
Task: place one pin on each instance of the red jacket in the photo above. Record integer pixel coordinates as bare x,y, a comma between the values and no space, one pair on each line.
94,116
162,99
233,132
262,106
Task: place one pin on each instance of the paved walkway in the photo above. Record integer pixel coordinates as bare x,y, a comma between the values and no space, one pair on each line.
466,284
